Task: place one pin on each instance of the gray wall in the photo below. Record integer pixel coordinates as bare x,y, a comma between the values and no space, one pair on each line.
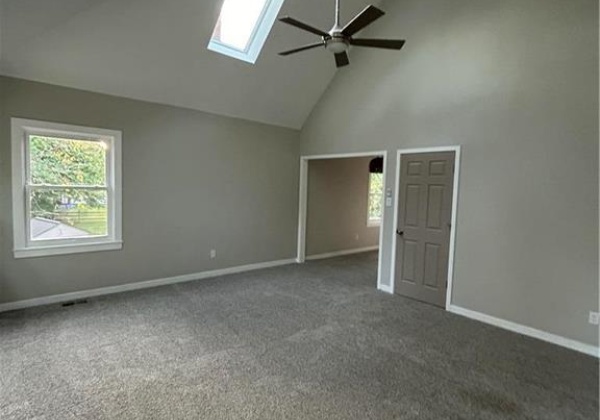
191,182
515,82
337,206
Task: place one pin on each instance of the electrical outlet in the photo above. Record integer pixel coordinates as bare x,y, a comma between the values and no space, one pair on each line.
356,237
213,253
594,318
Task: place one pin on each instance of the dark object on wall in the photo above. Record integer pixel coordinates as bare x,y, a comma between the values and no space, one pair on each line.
339,39
376,166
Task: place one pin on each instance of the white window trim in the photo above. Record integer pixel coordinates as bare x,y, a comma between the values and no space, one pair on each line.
371,222
257,39
25,248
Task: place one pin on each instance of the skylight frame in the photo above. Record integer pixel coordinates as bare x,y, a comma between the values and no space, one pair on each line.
258,38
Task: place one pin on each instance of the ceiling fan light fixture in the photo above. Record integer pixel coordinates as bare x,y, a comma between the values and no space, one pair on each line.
336,45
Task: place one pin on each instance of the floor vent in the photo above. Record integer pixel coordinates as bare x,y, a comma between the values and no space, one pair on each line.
75,302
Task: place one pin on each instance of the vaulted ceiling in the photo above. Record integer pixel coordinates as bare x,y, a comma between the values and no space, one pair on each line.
155,50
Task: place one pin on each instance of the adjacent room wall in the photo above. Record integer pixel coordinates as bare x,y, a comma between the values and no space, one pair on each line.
192,182
337,206
515,82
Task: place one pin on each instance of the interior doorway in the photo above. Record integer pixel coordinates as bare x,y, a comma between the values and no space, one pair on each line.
342,205
425,219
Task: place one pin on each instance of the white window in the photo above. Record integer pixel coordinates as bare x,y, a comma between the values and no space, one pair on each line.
243,27
375,199
66,184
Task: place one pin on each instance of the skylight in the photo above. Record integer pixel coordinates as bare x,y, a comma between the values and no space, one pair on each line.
243,27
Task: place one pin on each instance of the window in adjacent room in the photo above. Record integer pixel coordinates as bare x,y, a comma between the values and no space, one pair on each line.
375,199
66,189
243,27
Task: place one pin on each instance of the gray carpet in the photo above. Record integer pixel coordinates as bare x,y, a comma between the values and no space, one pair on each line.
297,342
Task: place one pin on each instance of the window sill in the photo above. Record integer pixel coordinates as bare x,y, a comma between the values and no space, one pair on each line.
376,223
47,251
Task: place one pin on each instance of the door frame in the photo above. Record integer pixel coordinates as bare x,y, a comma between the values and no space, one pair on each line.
303,199
455,187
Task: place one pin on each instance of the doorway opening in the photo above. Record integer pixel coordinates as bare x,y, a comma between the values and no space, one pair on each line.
342,205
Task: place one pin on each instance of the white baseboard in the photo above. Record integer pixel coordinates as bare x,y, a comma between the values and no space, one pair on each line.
84,294
385,288
341,253
531,332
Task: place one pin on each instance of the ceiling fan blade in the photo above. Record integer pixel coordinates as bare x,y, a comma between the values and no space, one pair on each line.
303,26
390,44
341,59
306,47
364,18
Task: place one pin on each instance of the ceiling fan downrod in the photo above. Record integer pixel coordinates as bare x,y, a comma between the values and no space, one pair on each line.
337,14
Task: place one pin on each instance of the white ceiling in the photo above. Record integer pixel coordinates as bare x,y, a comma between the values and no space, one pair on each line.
155,50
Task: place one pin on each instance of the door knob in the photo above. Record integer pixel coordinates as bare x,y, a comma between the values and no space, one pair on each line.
399,232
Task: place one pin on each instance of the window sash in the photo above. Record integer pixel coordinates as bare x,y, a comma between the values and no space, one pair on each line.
68,136
30,241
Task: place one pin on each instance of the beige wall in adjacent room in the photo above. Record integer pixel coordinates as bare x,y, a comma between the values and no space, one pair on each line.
337,206
192,182
515,82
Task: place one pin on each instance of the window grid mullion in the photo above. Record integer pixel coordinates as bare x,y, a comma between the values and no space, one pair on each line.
60,186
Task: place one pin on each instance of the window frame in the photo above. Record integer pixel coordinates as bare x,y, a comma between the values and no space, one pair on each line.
258,38
24,246
373,222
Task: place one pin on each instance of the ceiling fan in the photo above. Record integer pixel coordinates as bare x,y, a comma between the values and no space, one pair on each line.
339,38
